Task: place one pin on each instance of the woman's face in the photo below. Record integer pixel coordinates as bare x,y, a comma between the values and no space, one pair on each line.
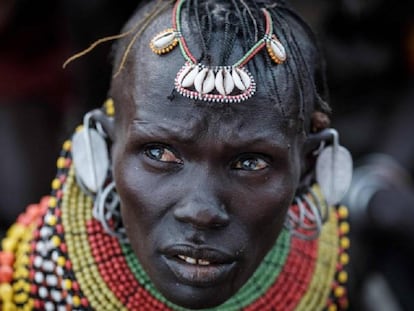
204,188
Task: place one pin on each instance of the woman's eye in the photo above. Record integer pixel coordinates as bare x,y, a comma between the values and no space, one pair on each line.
251,164
162,154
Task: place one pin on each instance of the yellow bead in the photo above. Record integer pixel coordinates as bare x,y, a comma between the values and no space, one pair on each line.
61,261
67,145
345,243
52,202
67,284
29,306
6,292
21,298
109,107
16,231
76,301
51,220
344,258
56,184
55,241
343,277
79,128
333,307
339,291
8,245
343,212
21,273
344,228
8,306
61,162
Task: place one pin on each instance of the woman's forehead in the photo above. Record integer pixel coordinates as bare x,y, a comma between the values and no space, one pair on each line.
148,79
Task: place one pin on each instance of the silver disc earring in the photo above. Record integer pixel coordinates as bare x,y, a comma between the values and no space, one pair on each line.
90,155
334,170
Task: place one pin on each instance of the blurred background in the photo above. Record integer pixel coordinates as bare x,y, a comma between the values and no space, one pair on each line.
369,48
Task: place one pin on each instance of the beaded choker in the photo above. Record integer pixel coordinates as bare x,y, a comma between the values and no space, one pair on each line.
224,84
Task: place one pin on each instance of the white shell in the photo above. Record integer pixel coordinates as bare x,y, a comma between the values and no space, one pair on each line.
204,82
278,49
90,158
334,173
241,79
163,39
188,80
183,73
224,82
209,82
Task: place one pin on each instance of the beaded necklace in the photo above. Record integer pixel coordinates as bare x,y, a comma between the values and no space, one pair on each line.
225,84
58,256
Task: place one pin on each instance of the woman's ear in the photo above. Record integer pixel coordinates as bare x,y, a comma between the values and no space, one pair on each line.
105,117
312,144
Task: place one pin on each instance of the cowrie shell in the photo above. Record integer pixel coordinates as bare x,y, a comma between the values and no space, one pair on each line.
204,82
190,77
163,39
183,73
224,82
278,50
241,79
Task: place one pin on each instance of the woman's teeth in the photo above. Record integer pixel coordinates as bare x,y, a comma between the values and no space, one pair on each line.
194,261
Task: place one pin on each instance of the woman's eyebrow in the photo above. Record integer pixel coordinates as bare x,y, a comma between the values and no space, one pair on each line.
173,131
188,135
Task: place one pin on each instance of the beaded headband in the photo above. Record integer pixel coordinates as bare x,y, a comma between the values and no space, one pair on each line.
224,84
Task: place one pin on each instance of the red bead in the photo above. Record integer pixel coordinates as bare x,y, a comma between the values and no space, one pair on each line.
6,258
6,274
84,302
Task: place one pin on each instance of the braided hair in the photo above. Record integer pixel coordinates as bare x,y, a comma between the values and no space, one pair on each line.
243,21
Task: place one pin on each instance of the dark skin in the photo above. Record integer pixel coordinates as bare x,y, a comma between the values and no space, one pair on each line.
204,187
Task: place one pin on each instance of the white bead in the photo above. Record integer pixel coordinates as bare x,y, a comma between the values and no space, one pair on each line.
51,280
48,266
38,261
46,232
39,277
60,271
55,256
43,293
49,306
56,295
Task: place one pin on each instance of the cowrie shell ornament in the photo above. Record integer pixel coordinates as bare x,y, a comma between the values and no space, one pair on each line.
223,84
276,50
217,84
164,42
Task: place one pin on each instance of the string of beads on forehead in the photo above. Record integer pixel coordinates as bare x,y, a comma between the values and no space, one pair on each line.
224,84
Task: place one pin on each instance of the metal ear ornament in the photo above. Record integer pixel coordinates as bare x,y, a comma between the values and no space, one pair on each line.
334,170
223,84
90,155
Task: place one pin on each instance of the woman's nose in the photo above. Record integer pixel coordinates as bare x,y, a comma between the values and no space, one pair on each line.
202,209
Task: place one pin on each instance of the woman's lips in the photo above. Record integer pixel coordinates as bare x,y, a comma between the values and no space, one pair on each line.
198,266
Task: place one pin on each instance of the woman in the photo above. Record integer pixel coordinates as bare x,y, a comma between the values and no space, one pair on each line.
199,191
